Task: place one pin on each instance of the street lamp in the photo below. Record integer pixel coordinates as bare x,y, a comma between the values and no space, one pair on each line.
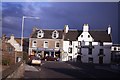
23,19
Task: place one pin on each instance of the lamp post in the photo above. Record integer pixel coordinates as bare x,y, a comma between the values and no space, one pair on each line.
23,20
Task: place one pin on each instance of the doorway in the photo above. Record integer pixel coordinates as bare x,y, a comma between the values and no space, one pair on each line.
100,60
79,58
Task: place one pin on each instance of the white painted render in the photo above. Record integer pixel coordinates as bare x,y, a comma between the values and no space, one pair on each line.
14,43
66,52
117,48
65,48
85,37
95,51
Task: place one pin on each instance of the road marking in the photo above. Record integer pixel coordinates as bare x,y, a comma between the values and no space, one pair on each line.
73,67
39,69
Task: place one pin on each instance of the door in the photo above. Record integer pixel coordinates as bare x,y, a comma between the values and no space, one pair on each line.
79,58
100,60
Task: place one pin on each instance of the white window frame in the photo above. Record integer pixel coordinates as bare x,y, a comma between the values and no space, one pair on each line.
70,50
56,33
34,44
56,44
40,33
45,45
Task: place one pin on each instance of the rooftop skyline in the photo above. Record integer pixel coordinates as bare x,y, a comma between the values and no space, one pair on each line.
54,15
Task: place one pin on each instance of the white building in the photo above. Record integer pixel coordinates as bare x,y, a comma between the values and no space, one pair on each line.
14,43
115,52
87,46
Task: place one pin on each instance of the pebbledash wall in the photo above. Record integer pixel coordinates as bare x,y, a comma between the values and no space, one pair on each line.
87,46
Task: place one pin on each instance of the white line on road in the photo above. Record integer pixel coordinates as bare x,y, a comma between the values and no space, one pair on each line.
74,67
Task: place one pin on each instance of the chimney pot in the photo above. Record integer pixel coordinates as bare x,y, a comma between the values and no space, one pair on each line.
85,28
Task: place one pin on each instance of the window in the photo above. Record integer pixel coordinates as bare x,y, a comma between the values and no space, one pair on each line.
90,43
90,60
55,34
70,42
70,50
81,35
90,51
40,34
34,43
79,43
57,44
70,58
88,36
18,59
101,51
10,49
118,48
101,43
115,48
45,44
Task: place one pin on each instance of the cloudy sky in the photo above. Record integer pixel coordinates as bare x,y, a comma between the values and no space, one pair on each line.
54,15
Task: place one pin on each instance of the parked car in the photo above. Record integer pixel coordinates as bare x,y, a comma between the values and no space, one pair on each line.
49,58
34,60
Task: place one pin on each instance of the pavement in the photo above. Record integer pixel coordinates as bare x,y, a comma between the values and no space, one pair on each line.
30,68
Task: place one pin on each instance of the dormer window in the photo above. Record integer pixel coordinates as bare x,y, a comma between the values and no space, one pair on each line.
55,34
81,35
88,36
40,34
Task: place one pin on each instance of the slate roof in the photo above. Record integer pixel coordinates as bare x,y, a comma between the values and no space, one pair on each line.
101,36
72,35
47,34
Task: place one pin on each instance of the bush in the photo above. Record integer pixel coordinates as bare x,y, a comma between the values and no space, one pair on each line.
5,62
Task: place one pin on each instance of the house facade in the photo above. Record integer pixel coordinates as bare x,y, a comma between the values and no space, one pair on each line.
87,46
15,43
8,52
115,53
45,43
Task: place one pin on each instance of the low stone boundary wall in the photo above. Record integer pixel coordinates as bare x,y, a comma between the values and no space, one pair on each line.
14,71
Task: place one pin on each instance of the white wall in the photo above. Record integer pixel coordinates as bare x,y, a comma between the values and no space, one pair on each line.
14,43
74,52
66,53
65,48
85,37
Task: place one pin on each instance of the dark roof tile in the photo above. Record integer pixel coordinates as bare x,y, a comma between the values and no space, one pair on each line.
72,35
47,34
101,36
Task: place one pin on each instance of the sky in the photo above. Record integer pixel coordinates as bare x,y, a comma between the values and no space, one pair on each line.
54,15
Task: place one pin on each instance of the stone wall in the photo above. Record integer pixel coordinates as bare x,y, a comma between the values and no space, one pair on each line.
14,71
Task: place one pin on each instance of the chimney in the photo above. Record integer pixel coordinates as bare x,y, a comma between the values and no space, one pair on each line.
66,28
3,37
109,30
34,29
85,28
12,37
